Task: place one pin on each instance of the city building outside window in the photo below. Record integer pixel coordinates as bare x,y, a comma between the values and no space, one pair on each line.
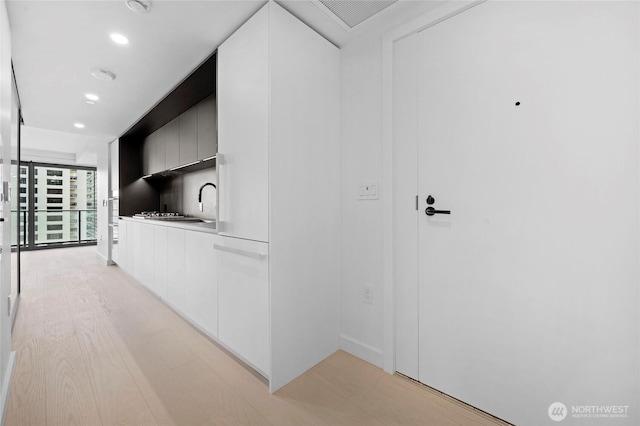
70,195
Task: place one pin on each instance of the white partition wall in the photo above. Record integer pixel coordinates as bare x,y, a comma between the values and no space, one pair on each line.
7,357
279,106
304,193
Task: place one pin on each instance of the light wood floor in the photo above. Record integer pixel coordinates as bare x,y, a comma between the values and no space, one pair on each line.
95,348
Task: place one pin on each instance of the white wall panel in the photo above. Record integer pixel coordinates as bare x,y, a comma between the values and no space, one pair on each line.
243,129
304,197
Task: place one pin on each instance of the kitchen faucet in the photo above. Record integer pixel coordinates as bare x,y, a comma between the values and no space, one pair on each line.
200,193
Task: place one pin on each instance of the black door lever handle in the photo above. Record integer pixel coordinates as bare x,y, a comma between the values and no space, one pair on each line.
430,211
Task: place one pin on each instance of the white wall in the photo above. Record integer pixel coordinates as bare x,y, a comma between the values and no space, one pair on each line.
361,225
50,146
363,222
361,154
7,358
102,195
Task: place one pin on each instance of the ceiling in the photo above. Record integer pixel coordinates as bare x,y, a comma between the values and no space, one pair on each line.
55,43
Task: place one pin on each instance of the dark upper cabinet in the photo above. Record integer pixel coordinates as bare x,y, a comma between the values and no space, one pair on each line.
159,150
172,143
153,153
207,128
188,136
147,154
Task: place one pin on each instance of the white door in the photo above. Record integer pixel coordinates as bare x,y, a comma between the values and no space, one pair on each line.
527,132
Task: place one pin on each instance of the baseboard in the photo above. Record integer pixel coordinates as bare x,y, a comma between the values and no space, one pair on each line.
361,350
6,386
104,259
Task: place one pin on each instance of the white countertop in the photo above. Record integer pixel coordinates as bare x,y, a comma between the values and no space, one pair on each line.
209,227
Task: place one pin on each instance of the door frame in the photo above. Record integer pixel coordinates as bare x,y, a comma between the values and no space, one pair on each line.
420,23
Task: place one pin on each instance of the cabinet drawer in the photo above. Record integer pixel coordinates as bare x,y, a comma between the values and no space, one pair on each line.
243,299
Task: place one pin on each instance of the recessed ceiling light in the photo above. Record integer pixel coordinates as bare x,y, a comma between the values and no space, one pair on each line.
91,102
92,97
119,38
79,126
139,6
102,74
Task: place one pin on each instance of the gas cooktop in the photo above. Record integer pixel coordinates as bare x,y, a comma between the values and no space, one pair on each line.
161,216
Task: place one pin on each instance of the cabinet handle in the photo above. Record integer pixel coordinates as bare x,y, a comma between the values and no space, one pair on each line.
240,251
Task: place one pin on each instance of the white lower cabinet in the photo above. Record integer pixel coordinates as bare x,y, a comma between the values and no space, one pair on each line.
143,258
179,266
176,269
243,299
123,244
161,258
134,248
201,281
220,284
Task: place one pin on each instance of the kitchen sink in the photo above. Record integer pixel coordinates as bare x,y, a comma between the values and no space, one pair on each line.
195,221
180,219
207,220
205,223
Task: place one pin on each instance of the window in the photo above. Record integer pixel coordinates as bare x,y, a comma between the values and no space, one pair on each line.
62,195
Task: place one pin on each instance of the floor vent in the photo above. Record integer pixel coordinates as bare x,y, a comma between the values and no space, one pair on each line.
351,13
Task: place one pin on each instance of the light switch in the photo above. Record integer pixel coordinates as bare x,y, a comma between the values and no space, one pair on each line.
368,191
